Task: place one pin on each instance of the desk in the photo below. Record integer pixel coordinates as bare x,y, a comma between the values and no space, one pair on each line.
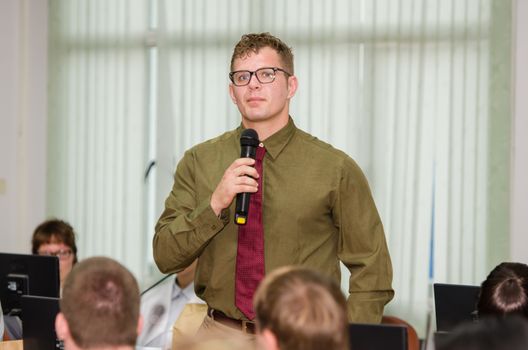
11,345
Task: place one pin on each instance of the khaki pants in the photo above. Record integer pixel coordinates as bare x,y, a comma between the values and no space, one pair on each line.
216,336
11,345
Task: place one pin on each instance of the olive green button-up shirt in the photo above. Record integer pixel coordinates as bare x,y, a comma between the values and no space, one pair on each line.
317,210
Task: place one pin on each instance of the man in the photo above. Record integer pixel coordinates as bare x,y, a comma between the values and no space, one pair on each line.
162,305
316,206
99,307
298,308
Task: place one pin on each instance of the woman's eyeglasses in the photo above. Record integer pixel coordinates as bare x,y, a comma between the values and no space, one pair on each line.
62,254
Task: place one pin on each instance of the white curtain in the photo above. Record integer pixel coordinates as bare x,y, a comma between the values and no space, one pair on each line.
401,86
416,91
97,125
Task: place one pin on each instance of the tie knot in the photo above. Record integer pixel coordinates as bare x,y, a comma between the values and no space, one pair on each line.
261,151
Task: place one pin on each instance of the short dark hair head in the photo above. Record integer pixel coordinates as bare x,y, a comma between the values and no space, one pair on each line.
54,231
252,43
505,291
303,309
100,302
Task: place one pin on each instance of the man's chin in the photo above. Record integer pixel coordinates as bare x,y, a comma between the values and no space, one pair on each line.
255,118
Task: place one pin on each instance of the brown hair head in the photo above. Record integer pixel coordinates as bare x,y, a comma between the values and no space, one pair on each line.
303,309
54,231
252,43
100,302
505,291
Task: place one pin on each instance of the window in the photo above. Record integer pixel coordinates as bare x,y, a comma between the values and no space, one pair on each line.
417,92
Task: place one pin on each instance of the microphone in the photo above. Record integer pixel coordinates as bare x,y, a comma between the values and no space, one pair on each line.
249,142
157,311
155,284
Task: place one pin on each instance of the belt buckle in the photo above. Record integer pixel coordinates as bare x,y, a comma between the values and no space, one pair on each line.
244,326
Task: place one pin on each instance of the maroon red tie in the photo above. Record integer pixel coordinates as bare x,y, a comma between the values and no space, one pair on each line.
250,250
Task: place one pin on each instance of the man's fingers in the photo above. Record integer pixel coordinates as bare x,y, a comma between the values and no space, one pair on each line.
241,162
247,188
245,170
246,181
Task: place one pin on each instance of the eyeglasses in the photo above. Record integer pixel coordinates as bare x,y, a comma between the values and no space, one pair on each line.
264,75
62,254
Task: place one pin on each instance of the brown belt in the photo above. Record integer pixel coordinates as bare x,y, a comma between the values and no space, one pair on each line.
241,325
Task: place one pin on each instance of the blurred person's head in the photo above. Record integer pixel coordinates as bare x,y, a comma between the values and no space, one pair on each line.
56,237
491,333
99,306
505,291
297,308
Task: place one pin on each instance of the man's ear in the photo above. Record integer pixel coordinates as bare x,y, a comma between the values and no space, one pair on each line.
140,325
232,93
269,340
292,85
61,326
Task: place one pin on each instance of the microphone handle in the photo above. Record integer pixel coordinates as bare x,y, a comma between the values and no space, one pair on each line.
242,199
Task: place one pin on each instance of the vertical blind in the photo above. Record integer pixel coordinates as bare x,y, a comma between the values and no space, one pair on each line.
97,118
416,91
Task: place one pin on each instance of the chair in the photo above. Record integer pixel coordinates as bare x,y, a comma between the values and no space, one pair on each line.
413,342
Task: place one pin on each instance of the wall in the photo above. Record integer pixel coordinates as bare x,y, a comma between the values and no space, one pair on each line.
23,106
23,96
519,183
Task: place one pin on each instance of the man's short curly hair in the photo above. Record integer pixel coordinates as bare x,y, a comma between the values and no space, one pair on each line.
252,43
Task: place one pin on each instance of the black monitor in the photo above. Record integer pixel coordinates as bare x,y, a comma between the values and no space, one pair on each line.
377,337
24,274
454,304
39,323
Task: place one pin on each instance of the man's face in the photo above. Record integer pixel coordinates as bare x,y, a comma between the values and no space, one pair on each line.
257,102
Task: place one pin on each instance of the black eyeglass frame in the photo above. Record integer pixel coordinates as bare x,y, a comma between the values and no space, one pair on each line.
61,253
251,73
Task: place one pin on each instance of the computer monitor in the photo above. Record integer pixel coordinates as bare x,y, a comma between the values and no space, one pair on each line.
39,323
454,304
25,274
377,337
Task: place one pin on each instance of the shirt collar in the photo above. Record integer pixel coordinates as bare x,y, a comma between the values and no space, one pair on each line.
188,291
276,142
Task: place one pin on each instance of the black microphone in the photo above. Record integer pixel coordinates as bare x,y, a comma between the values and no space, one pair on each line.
249,142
